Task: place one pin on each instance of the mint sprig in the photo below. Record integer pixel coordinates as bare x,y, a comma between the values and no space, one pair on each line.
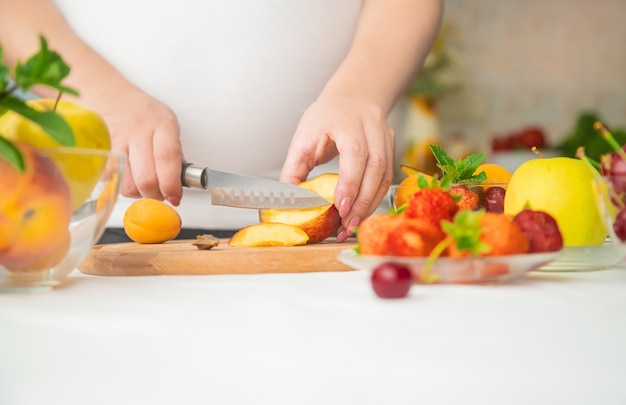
462,170
46,68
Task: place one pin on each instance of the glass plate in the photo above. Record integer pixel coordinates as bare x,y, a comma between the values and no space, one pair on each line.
458,271
584,258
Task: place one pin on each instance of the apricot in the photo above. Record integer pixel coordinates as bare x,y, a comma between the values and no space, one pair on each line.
35,212
151,221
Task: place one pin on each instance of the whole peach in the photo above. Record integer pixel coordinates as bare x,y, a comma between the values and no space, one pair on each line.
35,212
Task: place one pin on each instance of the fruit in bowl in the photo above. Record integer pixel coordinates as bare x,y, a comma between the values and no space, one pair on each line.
89,130
609,186
451,228
560,186
55,198
41,238
475,184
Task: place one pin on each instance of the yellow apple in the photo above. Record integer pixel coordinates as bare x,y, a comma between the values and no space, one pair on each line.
270,234
90,131
319,223
562,187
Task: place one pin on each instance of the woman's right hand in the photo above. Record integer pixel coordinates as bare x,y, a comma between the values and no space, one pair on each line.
147,132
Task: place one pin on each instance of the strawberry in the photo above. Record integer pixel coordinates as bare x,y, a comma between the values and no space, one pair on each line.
465,198
432,203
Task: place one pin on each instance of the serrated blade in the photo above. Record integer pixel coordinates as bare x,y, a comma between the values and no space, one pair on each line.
242,191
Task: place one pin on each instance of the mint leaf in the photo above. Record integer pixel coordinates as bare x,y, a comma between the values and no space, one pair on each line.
461,171
45,67
10,153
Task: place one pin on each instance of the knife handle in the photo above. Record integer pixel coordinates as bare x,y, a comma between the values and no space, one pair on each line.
193,176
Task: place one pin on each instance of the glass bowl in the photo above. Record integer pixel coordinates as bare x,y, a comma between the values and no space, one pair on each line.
446,270
54,213
487,195
610,194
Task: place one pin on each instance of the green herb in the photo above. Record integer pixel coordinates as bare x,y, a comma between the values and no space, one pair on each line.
9,152
462,170
46,68
584,134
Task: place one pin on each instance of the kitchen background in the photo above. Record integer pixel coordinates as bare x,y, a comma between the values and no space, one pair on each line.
534,62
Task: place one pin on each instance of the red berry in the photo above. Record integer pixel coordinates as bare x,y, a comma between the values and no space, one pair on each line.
391,280
531,136
541,229
619,225
493,199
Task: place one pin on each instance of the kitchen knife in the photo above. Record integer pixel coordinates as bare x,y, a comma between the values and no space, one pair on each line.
238,190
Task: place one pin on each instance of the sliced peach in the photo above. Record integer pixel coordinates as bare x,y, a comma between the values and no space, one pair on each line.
319,223
269,234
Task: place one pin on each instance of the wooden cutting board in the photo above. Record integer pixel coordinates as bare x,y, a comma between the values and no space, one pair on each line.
180,257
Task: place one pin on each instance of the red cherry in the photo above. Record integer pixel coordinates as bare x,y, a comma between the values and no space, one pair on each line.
391,280
619,226
531,136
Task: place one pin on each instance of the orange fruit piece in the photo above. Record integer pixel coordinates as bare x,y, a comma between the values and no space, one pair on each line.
408,186
373,231
501,235
151,221
414,237
495,173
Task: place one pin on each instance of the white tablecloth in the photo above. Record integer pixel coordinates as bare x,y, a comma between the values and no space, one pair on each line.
317,338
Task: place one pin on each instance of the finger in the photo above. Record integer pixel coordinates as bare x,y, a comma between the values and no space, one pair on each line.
140,153
300,159
168,157
353,157
376,179
128,188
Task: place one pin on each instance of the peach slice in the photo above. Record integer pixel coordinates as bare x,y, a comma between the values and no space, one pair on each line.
269,234
319,223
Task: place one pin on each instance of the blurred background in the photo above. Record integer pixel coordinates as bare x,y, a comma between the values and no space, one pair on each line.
502,68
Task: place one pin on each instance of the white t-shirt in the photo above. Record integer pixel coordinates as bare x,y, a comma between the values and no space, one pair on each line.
238,73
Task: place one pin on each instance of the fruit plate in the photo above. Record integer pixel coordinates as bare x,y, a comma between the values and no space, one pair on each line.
458,271
584,258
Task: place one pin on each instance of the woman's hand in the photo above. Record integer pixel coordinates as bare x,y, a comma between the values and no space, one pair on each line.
359,133
147,131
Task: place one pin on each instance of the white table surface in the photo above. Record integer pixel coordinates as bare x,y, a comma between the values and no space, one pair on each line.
316,338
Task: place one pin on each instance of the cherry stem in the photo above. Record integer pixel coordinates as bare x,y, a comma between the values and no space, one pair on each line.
603,130
580,154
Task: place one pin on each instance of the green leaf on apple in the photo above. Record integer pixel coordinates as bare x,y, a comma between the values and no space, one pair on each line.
46,68
51,122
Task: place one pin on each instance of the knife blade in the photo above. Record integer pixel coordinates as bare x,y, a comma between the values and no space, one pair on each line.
243,191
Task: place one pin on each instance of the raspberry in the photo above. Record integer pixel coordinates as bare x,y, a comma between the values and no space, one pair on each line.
541,229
